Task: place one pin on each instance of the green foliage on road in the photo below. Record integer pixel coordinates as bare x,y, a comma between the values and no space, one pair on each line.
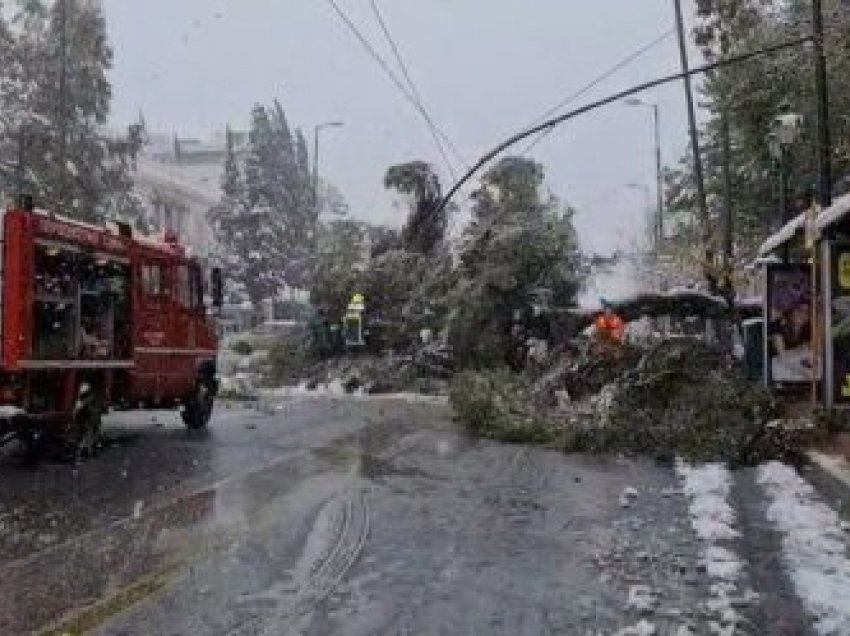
288,360
680,399
497,405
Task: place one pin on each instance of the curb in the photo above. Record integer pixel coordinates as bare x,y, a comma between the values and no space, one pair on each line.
836,466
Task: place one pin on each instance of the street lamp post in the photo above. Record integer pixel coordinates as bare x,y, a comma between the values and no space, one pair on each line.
783,134
659,186
647,197
316,129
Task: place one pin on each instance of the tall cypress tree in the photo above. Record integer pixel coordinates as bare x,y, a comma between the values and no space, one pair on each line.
266,222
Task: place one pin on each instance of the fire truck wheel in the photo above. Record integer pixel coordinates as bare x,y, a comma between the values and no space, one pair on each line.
198,407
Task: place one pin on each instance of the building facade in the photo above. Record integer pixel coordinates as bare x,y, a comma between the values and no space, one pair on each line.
178,181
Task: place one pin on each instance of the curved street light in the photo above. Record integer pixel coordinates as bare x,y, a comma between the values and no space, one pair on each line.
656,119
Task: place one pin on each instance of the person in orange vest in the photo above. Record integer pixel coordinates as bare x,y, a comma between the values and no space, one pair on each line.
609,328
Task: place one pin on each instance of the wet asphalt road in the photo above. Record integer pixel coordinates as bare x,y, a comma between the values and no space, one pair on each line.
354,516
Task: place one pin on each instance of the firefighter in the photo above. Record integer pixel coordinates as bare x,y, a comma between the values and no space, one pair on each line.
609,330
353,321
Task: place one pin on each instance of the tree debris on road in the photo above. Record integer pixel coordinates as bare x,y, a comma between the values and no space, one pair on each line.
683,397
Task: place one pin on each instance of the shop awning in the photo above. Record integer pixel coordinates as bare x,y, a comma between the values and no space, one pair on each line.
834,213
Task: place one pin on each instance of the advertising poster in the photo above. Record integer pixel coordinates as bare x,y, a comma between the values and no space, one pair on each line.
789,323
840,325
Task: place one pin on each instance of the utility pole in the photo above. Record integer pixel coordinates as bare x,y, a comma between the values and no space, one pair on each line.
824,141
726,243
822,347
702,204
63,102
728,222
784,197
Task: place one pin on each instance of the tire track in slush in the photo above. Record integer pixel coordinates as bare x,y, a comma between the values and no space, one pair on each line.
339,533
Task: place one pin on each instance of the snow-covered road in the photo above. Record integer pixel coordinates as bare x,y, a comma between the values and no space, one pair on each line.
352,515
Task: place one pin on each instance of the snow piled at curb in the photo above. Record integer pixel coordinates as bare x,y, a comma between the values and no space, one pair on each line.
813,546
708,487
336,390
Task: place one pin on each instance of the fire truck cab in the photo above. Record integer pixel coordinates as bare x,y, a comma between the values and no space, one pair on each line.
94,317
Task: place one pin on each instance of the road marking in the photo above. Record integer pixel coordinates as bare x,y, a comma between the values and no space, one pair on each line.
814,547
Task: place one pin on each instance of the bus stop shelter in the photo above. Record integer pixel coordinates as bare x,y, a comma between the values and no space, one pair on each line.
806,304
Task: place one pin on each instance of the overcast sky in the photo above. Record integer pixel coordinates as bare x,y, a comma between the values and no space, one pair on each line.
485,69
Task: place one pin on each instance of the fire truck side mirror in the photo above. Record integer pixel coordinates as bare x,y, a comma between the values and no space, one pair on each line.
217,285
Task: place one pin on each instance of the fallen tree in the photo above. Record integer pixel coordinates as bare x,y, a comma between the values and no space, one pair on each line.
682,398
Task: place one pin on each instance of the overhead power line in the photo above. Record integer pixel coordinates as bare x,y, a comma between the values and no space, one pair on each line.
552,123
413,89
386,68
593,84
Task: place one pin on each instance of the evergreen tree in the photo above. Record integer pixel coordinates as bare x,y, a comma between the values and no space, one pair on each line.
517,242
340,260
266,222
302,158
8,127
310,202
426,223
753,94
95,178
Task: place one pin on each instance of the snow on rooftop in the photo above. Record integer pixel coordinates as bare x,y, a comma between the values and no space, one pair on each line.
785,234
832,215
200,182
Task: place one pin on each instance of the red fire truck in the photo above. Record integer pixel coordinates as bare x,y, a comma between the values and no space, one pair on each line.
94,317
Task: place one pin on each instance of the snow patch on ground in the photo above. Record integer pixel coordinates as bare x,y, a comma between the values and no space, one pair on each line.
239,384
813,546
336,390
628,496
642,628
641,599
707,488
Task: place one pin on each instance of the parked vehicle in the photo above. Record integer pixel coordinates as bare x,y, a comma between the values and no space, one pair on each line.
94,317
